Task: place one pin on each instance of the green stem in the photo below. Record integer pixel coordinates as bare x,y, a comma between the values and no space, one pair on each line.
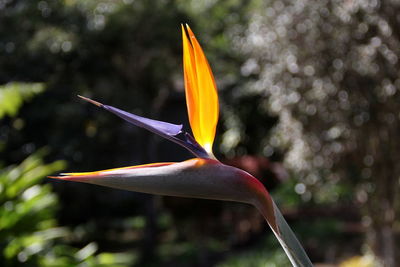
287,238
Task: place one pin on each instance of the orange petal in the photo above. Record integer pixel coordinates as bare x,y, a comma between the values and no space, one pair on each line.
201,91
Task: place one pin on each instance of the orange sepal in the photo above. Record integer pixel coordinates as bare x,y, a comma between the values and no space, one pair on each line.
201,91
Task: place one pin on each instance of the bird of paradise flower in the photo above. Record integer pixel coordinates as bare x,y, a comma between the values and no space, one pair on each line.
203,176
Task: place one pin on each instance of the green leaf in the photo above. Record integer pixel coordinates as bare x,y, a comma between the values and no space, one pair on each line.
12,96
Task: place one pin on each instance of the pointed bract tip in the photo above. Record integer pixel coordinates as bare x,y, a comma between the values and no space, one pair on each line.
55,177
91,101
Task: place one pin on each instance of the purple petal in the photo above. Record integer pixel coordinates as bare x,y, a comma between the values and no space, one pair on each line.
172,132
149,124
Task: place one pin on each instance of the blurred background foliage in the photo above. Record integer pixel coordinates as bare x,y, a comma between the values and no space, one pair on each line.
29,235
309,105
